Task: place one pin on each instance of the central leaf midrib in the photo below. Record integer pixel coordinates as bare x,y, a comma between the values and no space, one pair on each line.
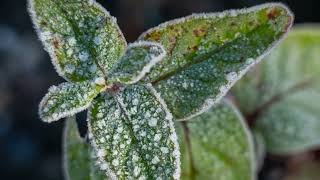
201,58
78,33
133,136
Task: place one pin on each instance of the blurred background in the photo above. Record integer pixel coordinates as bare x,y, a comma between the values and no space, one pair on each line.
30,149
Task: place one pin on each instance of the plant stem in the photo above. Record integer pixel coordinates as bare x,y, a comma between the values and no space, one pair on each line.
251,117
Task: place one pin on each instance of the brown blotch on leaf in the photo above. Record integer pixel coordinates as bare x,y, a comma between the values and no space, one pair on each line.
114,88
193,48
233,24
172,39
273,13
43,23
154,36
198,32
55,43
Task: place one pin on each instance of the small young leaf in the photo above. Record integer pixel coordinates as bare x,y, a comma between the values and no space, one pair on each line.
78,163
80,36
216,145
281,97
207,53
134,136
68,98
137,61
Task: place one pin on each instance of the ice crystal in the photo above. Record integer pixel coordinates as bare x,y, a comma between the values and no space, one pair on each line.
137,61
127,128
183,67
203,49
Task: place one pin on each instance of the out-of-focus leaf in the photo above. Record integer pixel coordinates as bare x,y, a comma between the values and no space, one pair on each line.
80,36
282,94
78,163
259,149
136,62
68,98
308,170
133,134
207,53
216,145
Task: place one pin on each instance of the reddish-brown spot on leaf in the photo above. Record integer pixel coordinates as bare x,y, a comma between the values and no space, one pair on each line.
56,43
273,13
154,36
198,32
43,23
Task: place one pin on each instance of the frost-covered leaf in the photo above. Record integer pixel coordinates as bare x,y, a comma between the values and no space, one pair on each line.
78,163
216,145
136,62
69,98
282,94
80,36
134,136
207,53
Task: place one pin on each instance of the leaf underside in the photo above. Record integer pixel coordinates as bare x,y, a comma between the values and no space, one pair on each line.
137,61
78,161
134,135
67,99
207,53
81,37
282,94
216,145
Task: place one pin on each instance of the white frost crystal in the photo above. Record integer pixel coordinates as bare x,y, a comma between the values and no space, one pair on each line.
137,61
67,99
156,149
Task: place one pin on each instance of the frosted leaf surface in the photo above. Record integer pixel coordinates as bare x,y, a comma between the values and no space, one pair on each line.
67,99
282,94
207,53
80,36
136,62
134,136
219,144
78,161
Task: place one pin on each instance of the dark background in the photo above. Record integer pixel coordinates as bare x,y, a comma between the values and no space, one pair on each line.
31,149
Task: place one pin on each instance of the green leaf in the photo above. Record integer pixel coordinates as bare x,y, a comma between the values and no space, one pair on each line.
207,53
260,149
133,135
78,163
136,62
307,170
216,145
68,99
80,36
281,96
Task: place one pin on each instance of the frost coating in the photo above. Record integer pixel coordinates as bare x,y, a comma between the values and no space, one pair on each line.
137,61
79,36
207,53
221,145
67,99
132,148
